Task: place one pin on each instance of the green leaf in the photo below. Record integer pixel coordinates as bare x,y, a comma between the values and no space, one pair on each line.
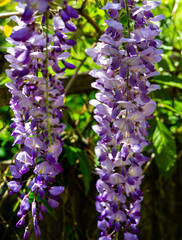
2,153
162,104
74,153
85,169
70,154
16,205
164,149
171,81
99,4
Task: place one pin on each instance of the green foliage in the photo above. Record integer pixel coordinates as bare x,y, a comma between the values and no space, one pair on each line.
73,154
171,81
164,149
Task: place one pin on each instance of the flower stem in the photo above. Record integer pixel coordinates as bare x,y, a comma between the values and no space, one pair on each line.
117,235
47,77
128,24
128,17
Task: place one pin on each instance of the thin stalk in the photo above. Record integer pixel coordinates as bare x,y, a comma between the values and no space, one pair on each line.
127,90
128,17
127,86
117,235
128,24
47,77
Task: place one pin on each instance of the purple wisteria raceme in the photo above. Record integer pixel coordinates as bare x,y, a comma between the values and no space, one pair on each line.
37,102
122,107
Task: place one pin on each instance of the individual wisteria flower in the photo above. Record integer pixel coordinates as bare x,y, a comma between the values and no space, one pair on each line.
37,101
122,106
40,5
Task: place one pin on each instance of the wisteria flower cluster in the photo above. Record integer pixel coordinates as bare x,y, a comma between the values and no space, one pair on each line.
37,61
122,107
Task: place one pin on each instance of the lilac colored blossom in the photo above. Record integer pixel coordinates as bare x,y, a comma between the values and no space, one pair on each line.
122,107
56,190
26,234
40,5
32,87
14,186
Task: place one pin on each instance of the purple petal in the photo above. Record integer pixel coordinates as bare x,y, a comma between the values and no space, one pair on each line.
33,142
114,24
70,26
70,42
53,203
149,108
42,208
56,190
25,205
57,167
23,56
130,236
26,234
40,216
103,225
33,208
14,186
14,171
144,97
24,157
64,15
58,23
27,15
109,5
24,169
113,13
123,71
158,18
40,5
41,193
22,34
21,222
37,231
130,49
71,11
69,65
45,168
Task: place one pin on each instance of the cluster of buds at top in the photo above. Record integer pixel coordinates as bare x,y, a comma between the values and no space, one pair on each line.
37,61
122,107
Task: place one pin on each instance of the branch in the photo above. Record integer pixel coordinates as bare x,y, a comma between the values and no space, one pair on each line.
90,20
10,14
175,7
83,5
80,84
74,76
68,86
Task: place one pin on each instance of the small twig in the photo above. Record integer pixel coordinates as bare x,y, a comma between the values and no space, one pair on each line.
176,3
90,20
83,5
76,73
74,76
10,14
148,164
47,78
6,162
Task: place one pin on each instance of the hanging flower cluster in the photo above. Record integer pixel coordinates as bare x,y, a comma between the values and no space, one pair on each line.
37,61
122,107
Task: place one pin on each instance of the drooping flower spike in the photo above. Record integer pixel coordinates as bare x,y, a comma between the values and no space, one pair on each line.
122,107
37,101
